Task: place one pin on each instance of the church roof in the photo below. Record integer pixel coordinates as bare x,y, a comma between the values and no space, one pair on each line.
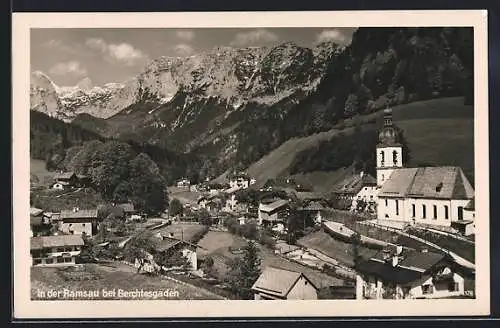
444,182
471,205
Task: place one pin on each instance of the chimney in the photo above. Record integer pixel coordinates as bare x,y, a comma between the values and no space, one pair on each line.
399,249
361,173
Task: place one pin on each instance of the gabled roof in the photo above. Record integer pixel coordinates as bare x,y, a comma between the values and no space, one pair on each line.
167,243
354,183
127,207
64,175
314,206
410,267
273,206
277,281
55,241
444,182
70,214
35,211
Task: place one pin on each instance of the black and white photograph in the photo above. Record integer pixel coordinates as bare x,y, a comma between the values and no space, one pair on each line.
291,163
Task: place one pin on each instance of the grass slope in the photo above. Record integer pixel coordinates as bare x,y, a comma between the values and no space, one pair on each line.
439,132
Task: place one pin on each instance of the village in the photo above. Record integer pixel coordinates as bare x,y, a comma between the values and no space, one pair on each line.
406,233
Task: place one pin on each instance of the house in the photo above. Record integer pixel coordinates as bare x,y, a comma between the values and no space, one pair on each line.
280,284
83,180
239,181
55,250
40,223
170,245
273,213
231,203
183,183
354,188
64,180
128,209
315,209
428,195
409,274
77,221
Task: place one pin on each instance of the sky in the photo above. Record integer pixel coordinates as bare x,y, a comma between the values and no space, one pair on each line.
115,55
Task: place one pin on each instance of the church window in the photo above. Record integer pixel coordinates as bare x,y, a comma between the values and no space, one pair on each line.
382,159
460,213
434,207
446,211
413,210
386,202
397,207
423,212
395,157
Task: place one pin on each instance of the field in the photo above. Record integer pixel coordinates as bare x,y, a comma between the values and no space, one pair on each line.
37,167
339,250
55,200
217,244
181,231
183,195
115,276
430,126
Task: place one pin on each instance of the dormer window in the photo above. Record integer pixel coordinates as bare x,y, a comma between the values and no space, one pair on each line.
439,187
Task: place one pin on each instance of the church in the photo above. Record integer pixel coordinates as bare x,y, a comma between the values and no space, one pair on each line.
441,196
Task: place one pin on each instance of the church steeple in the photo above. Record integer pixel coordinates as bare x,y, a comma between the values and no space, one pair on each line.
389,151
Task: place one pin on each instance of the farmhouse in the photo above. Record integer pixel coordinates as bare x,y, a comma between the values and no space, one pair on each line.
354,188
315,209
169,246
78,221
273,214
428,195
64,180
55,250
408,274
128,209
280,284
39,222
183,183
239,181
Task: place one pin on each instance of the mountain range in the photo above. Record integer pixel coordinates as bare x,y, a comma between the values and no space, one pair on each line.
234,105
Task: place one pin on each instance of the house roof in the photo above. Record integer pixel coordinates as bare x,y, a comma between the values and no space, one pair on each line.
354,183
167,243
35,211
127,207
314,206
444,182
411,266
64,175
277,281
70,214
309,195
273,206
56,241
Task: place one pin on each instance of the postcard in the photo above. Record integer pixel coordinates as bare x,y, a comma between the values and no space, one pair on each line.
187,165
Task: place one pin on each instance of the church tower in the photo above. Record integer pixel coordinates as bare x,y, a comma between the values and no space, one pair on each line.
389,150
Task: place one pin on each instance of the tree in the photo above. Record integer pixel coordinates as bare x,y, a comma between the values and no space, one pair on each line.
250,231
208,267
175,207
355,242
243,272
139,247
204,217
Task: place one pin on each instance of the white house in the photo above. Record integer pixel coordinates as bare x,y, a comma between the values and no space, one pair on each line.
428,195
405,274
183,183
239,181
273,213
58,250
78,221
280,284
357,187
